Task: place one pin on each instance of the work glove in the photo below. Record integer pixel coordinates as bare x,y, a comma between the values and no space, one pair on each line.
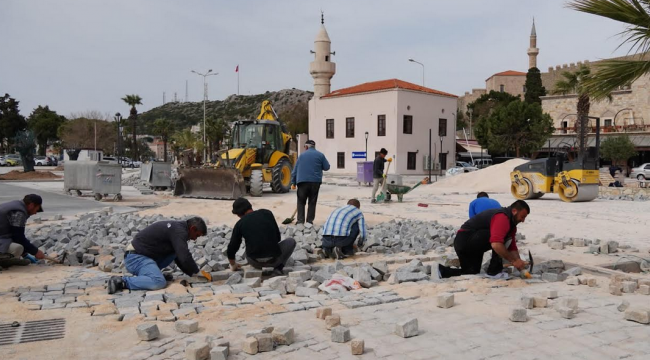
384,175
389,159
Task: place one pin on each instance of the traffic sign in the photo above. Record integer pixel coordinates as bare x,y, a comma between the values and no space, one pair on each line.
358,154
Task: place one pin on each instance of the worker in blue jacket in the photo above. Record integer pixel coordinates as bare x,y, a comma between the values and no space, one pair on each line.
482,203
308,175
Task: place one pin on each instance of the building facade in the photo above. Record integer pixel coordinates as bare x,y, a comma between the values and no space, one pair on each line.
391,114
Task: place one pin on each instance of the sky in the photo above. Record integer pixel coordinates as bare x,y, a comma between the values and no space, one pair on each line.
83,55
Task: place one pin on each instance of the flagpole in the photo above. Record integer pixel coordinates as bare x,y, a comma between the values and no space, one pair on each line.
237,79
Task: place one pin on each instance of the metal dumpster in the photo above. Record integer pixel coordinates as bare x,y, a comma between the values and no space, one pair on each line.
108,180
100,177
161,175
145,171
364,172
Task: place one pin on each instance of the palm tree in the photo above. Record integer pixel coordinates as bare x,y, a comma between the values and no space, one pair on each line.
610,75
574,83
133,100
163,127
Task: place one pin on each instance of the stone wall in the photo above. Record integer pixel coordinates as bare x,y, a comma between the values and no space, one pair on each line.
624,193
467,99
513,84
637,98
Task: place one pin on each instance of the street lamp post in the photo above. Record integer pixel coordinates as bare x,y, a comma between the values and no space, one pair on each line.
205,97
421,64
118,121
366,146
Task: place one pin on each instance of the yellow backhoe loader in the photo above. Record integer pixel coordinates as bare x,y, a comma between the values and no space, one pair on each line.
258,153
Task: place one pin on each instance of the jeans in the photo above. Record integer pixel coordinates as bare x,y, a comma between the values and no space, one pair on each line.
307,191
147,272
470,247
343,242
286,247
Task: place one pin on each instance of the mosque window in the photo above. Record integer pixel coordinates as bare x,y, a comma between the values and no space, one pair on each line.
381,125
329,128
349,127
340,160
408,124
502,88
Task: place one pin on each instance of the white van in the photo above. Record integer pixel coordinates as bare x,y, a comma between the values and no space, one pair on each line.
482,163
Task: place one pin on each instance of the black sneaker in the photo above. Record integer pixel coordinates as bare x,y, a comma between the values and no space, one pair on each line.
327,252
168,276
115,284
338,253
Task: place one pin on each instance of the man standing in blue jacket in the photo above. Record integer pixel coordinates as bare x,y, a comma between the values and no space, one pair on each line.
308,175
482,203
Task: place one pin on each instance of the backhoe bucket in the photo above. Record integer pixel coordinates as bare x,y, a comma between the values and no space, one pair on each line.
203,183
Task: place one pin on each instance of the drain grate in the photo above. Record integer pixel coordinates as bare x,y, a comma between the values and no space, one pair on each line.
30,331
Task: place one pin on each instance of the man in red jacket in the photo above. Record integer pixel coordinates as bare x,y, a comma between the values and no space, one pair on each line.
495,230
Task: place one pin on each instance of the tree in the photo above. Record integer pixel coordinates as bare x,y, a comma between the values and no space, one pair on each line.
163,127
617,149
518,126
610,75
11,122
216,130
296,119
482,106
79,133
44,123
534,87
573,83
133,100
25,144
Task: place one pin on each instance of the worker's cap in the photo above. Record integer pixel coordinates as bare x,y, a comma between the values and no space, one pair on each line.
34,199
240,206
310,142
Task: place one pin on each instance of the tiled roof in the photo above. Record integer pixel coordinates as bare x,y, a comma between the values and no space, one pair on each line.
385,85
509,73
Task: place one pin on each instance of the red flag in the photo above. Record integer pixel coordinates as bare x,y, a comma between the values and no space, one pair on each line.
237,68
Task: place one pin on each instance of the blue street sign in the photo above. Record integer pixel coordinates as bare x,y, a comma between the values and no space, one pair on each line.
358,154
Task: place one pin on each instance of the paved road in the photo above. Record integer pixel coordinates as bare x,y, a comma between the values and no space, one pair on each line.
52,203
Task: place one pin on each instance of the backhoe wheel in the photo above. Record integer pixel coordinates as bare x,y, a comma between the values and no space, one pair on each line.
257,182
281,181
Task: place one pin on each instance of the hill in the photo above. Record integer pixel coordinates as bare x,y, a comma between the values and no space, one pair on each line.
234,107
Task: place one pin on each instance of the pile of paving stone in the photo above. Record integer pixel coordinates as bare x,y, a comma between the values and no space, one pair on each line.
637,197
131,180
100,239
592,246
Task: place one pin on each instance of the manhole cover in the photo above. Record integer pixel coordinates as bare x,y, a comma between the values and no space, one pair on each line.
29,331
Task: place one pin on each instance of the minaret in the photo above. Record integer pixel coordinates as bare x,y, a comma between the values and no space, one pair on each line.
322,69
533,50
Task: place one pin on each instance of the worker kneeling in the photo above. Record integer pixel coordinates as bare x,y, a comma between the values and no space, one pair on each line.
153,249
262,236
342,228
495,230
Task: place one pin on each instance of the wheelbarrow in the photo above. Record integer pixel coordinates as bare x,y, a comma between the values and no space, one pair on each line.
401,190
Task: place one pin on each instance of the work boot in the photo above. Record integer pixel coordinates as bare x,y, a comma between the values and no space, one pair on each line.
7,260
168,276
115,284
327,252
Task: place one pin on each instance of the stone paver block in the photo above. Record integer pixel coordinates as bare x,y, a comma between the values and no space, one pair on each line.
340,334
219,353
302,275
566,312
332,321
407,328
616,289
641,316
518,315
187,326
283,336
322,313
573,281
104,310
147,332
527,302
623,305
357,346
552,277
264,342
445,300
629,287
250,346
304,291
197,351
574,271
252,273
592,282
644,290
233,279
571,303
550,294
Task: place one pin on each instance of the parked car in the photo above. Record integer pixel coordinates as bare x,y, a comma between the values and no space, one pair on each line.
42,161
482,163
642,172
126,162
13,160
3,162
110,159
466,166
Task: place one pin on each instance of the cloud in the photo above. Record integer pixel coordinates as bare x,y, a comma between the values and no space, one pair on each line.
83,55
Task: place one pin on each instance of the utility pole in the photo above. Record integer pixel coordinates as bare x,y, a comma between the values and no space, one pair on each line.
205,98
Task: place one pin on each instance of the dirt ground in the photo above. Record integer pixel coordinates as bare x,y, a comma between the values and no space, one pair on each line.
32,175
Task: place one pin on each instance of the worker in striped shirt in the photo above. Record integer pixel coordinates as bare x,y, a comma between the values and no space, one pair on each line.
342,228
